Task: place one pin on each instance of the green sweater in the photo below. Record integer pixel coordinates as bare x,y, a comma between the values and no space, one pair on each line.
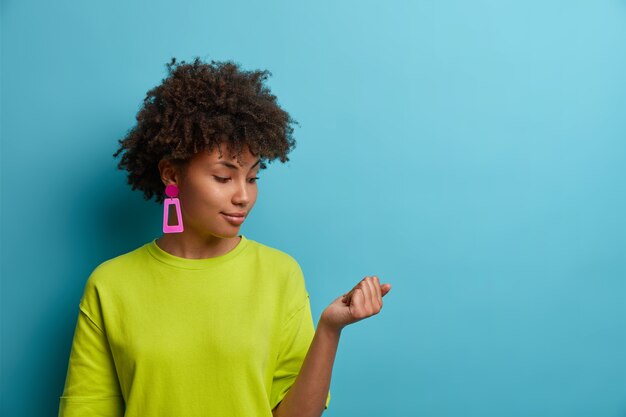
160,335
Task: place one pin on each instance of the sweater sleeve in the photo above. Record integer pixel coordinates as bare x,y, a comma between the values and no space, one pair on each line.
92,387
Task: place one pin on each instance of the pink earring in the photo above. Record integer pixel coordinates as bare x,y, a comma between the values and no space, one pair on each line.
172,192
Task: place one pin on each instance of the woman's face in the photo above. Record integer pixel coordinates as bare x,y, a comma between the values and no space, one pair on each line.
217,193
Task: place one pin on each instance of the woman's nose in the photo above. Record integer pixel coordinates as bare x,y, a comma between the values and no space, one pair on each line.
242,194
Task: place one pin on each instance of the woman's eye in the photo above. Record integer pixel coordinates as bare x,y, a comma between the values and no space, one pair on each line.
220,179
253,180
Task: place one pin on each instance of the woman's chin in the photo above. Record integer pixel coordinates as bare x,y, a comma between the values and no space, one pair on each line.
227,234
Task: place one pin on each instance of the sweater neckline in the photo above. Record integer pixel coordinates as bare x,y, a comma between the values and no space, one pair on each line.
187,263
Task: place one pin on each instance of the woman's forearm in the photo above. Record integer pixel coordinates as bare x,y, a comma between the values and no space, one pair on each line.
307,396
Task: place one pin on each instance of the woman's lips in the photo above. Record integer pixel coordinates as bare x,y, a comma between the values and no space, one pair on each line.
234,219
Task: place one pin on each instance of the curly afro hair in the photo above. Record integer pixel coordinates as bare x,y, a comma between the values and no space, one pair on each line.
200,106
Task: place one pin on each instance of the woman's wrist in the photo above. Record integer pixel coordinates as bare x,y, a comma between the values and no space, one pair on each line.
327,326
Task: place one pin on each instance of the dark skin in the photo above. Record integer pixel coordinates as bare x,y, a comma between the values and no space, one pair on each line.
208,188
198,106
307,396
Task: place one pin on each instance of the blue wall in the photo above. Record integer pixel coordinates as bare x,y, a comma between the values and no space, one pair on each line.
473,154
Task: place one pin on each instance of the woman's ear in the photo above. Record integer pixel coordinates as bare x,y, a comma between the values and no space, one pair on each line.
167,172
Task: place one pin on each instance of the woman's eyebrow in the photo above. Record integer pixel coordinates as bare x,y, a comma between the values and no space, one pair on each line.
233,166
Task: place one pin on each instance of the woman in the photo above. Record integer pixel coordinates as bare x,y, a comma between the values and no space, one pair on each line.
203,321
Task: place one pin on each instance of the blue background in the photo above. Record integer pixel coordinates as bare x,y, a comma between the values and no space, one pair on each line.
473,154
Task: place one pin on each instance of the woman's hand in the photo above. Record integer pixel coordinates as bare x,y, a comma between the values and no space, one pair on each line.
364,300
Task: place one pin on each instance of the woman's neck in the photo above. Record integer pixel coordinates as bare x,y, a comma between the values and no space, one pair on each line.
192,247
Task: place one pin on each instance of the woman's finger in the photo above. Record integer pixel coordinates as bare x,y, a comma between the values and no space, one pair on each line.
385,289
380,290
379,296
368,294
348,296
376,297
356,303
373,298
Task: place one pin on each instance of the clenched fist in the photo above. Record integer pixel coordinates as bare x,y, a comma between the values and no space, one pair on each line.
364,300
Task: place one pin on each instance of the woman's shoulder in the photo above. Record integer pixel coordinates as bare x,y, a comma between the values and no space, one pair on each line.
106,278
273,255
121,263
284,271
